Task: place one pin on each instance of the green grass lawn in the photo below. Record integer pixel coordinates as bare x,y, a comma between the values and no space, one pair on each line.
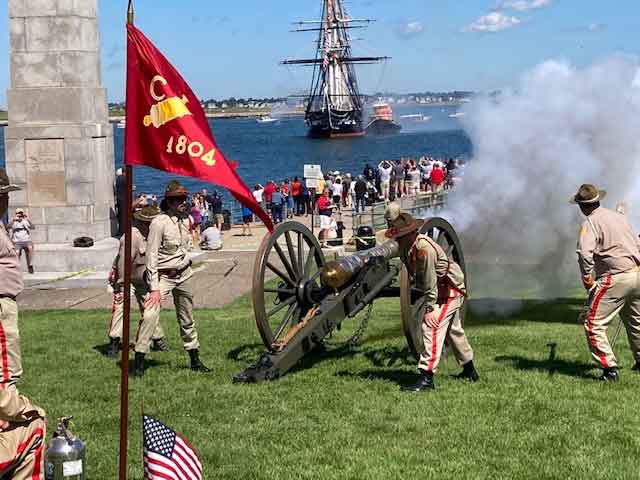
341,415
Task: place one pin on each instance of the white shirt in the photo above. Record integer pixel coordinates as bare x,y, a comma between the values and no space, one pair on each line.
211,236
385,173
336,188
257,194
21,231
414,175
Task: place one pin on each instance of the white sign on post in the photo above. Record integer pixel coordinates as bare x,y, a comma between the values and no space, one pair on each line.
312,174
313,171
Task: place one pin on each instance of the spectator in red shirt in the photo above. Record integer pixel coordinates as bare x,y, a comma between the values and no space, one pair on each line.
285,189
437,177
325,207
296,193
268,192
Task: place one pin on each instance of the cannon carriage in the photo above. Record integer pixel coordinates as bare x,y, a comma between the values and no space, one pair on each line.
299,298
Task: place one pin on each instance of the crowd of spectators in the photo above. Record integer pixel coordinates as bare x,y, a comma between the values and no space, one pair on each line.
336,191
286,199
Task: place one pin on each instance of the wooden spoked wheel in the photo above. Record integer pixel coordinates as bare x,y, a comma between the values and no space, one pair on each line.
412,307
285,275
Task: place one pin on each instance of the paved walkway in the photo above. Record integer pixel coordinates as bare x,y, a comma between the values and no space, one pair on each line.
212,288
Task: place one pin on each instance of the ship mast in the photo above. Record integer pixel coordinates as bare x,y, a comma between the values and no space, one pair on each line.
334,86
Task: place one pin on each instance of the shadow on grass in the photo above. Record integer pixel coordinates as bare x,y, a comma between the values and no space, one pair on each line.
397,376
509,311
390,356
102,349
563,367
247,353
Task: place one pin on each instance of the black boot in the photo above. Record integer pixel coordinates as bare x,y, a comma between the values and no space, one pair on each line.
159,345
609,375
469,372
138,365
196,364
636,367
425,382
113,348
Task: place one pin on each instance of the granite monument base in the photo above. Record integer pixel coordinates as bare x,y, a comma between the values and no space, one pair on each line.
66,258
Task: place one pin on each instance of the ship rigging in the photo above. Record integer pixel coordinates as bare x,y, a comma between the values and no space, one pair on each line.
334,104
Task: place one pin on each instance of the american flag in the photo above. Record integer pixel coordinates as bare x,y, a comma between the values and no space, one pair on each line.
167,455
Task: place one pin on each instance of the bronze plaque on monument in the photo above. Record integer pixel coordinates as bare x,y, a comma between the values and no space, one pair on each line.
45,172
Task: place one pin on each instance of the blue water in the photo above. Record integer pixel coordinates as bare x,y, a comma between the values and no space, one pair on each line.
276,151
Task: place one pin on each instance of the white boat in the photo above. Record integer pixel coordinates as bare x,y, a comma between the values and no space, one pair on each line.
122,123
266,119
415,117
457,115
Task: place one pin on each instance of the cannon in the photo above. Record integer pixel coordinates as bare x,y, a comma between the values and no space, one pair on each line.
299,299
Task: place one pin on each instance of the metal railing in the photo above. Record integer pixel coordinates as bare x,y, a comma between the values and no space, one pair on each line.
373,215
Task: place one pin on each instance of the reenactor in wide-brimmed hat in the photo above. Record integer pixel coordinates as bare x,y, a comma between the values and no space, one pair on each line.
11,285
442,282
139,285
609,259
22,424
169,272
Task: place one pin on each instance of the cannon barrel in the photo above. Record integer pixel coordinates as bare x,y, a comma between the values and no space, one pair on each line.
336,274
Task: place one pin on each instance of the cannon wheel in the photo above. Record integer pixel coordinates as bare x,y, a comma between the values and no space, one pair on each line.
412,311
292,253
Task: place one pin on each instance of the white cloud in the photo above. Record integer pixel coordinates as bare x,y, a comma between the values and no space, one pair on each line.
493,22
411,29
595,27
523,5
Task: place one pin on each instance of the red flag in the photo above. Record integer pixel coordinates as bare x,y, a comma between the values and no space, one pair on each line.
167,128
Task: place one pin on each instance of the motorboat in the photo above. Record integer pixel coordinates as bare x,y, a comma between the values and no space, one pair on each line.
266,119
415,117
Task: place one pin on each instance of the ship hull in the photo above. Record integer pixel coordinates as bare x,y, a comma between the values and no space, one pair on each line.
383,127
342,125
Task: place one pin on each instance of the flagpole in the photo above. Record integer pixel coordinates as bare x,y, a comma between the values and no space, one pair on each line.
124,363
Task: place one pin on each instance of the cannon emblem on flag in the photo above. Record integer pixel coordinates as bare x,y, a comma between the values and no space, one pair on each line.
166,109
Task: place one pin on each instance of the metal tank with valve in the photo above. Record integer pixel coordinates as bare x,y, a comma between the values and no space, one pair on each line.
65,456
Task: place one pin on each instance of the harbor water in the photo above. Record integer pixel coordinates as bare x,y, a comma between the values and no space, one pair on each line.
279,150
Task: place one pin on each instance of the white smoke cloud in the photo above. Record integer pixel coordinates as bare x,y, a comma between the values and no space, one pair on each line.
534,145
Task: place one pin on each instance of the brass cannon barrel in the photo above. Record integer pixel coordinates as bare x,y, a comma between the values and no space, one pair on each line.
337,273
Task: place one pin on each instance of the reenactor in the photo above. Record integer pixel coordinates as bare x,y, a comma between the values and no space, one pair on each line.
22,437
442,283
169,272
139,286
11,285
609,261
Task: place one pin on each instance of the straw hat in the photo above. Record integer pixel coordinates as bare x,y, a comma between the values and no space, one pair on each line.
403,225
588,193
175,189
146,214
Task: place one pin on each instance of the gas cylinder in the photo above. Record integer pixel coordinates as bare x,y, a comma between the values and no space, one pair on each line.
64,459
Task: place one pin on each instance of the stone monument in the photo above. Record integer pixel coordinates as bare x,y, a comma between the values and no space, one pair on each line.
59,143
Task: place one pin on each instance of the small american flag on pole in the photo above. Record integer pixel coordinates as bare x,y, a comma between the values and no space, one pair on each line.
167,455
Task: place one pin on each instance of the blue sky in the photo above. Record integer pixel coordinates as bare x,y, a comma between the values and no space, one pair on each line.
232,48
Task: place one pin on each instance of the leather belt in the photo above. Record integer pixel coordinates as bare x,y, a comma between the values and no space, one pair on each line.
10,297
173,273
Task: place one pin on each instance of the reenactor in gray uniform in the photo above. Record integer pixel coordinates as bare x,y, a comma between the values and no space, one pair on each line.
442,282
11,285
139,286
169,272
609,260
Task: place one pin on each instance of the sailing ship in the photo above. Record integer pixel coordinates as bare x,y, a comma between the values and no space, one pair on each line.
334,106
